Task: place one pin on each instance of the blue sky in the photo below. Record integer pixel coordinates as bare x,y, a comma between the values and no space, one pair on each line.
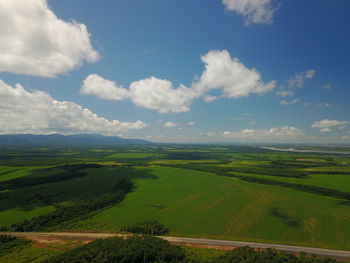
253,71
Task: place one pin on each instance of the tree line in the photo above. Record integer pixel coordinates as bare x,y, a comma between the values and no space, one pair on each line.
147,249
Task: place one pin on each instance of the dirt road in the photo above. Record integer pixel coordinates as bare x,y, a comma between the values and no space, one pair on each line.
195,242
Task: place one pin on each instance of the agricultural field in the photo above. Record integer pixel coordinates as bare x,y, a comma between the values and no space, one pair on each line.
220,192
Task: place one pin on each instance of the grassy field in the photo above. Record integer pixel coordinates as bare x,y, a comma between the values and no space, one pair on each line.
333,181
26,202
9,173
179,186
29,253
131,155
199,204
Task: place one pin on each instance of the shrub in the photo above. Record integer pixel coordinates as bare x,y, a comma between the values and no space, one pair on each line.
149,227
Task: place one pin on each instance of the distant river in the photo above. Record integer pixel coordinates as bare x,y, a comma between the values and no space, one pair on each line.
302,151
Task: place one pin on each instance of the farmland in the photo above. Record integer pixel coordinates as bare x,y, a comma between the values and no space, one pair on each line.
220,192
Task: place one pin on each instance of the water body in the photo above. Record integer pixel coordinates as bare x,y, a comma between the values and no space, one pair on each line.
303,151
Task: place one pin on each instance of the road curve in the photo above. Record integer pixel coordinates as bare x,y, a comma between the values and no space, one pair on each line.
214,243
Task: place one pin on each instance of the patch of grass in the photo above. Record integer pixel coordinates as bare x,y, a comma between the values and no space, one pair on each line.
30,254
194,254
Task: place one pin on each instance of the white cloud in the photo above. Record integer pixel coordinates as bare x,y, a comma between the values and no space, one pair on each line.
209,98
285,133
297,81
103,88
191,123
254,11
209,134
325,130
310,74
284,102
36,112
158,94
169,124
284,93
221,72
229,74
326,125
323,105
33,41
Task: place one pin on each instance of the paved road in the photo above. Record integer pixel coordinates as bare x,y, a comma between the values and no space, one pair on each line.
222,244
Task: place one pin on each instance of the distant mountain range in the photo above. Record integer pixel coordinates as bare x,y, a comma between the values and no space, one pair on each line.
65,140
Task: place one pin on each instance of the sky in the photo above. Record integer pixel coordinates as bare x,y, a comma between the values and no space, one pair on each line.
177,70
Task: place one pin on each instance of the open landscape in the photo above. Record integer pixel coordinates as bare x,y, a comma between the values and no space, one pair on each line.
225,192
177,131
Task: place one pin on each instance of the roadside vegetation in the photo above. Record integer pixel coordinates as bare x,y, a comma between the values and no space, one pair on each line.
148,227
148,249
9,244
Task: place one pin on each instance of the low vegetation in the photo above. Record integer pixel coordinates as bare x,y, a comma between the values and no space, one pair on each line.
248,255
148,227
9,244
148,249
117,250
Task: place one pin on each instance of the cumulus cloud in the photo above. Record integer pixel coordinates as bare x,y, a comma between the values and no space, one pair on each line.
232,76
254,11
103,88
222,73
36,112
34,41
326,125
284,133
158,94
169,124
150,93
191,123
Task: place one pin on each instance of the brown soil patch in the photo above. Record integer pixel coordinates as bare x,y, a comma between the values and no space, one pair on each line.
56,243
218,247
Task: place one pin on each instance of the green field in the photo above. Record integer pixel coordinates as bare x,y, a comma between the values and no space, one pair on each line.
131,155
199,204
190,189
